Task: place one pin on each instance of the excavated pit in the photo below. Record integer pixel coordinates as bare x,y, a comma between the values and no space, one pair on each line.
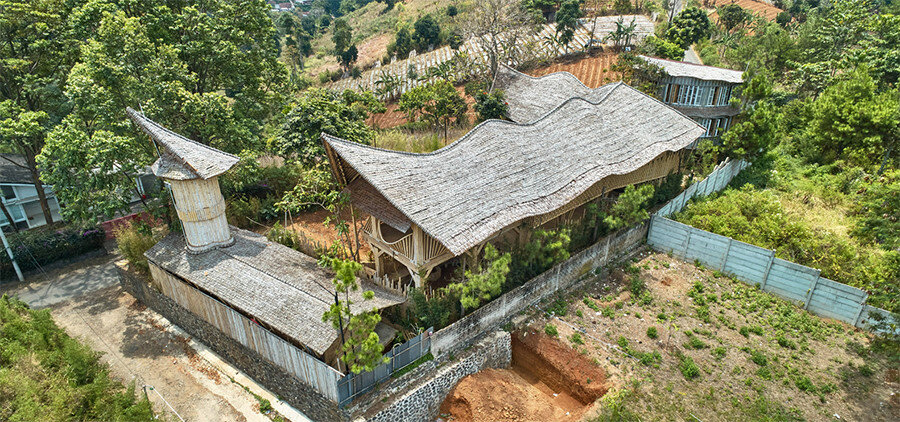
548,381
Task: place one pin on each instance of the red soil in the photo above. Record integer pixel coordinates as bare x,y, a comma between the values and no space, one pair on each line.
548,381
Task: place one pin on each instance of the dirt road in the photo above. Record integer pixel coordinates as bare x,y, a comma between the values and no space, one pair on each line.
138,346
182,377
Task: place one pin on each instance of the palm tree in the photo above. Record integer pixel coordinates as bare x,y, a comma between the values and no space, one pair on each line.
622,35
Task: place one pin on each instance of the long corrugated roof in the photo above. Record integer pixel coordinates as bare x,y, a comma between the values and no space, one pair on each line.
503,172
181,158
274,284
691,70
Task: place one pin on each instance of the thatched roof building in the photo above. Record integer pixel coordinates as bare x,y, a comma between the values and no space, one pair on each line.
502,172
181,158
281,288
530,98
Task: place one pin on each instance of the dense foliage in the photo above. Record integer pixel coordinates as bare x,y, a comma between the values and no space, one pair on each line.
319,111
48,376
206,69
42,246
491,105
135,238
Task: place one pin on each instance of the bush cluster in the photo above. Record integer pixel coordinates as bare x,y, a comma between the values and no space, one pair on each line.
48,376
45,245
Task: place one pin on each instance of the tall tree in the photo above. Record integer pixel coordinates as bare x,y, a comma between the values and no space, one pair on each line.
854,122
360,345
438,103
208,70
37,49
498,25
342,36
567,21
427,32
688,27
317,111
732,16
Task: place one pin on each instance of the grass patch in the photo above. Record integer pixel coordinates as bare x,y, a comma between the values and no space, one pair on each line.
428,356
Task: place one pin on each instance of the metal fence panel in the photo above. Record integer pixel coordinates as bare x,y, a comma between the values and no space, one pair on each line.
399,357
753,264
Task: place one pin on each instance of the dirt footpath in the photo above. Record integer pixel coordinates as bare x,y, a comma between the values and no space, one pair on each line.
139,345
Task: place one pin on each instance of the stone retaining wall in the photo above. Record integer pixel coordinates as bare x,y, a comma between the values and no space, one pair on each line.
423,400
290,389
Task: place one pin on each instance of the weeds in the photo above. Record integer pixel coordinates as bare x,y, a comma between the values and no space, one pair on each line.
651,332
688,368
551,330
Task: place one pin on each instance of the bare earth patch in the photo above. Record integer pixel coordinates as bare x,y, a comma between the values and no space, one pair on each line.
756,357
548,381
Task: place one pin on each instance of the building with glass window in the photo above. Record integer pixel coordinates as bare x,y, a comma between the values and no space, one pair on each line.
703,93
20,196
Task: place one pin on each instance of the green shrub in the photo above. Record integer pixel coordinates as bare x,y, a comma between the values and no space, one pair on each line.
804,384
491,105
559,307
651,332
48,376
551,330
591,304
745,331
695,343
786,342
758,357
720,352
132,240
576,338
688,368
46,245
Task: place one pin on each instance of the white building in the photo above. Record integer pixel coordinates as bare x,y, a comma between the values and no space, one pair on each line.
20,196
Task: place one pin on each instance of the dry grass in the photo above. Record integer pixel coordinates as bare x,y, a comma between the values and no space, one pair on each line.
755,357
418,141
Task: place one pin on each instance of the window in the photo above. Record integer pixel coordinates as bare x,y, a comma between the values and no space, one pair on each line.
725,97
8,192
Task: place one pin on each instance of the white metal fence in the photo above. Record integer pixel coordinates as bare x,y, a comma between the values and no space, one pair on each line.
752,264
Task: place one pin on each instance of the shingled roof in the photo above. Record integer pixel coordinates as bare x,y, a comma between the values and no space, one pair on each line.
276,285
503,172
181,158
690,70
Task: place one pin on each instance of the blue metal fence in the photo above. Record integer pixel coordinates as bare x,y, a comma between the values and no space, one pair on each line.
752,264
399,357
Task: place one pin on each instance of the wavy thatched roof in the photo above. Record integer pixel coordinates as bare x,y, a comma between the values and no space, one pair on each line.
181,158
503,172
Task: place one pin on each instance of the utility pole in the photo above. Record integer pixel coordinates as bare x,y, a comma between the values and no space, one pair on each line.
11,257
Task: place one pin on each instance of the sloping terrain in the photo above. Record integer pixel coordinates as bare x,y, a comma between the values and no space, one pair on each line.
692,344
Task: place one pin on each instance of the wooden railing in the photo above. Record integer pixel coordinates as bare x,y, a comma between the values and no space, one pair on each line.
367,227
433,248
404,246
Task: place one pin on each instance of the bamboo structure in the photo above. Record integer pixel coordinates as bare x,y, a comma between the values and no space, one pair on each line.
191,170
429,208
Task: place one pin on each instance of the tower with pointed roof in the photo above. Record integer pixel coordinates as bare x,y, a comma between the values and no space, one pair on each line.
191,169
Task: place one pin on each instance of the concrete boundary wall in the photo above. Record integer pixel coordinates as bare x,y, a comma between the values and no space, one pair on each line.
462,333
755,265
